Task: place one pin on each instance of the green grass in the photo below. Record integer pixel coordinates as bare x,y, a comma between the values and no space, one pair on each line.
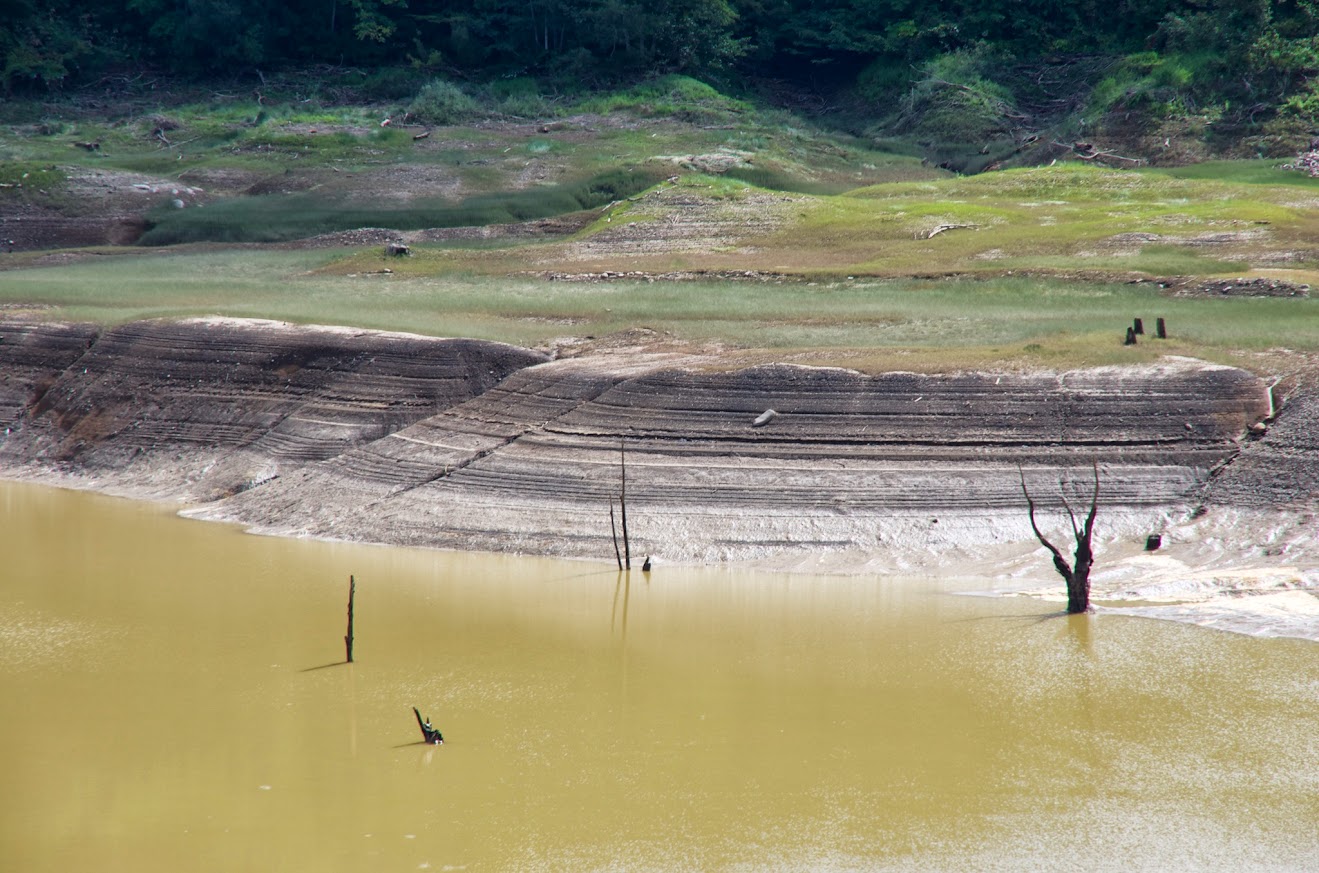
1247,172
30,182
277,218
672,96
865,323
1063,218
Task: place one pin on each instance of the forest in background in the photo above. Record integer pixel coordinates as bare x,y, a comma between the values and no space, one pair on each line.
965,81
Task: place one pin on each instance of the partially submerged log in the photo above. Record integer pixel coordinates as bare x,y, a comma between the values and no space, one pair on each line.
429,732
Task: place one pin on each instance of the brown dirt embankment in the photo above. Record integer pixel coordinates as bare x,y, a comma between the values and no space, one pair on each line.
408,440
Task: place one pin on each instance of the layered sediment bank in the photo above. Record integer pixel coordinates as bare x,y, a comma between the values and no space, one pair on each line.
463,444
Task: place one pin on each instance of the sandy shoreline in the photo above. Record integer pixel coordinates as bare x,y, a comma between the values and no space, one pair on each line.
1252,572
473,446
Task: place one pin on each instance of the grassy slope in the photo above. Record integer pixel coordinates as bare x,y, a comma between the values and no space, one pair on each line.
911,324
1044,272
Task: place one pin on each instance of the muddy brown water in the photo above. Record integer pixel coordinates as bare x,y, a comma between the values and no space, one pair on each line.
173,699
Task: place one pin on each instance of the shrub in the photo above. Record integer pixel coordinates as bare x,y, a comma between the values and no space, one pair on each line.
443,102
391,83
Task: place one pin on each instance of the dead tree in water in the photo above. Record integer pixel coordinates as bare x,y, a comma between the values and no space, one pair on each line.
1076,574
625,558
622,502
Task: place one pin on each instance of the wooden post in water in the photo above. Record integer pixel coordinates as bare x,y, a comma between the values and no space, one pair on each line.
613,529
1160,330
348,638
1131,337
1138,326
622,502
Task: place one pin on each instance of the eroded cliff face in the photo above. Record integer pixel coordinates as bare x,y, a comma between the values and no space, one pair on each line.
200,409
463,444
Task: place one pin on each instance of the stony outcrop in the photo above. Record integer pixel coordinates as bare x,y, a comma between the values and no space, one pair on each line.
464,444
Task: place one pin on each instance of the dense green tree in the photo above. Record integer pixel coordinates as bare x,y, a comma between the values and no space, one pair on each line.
47,43
42,44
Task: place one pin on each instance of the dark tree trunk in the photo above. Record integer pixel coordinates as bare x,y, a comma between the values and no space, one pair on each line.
348,638
1076,574
613,529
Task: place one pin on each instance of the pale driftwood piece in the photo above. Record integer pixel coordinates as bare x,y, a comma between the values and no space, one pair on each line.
1087,152
946,227
422,135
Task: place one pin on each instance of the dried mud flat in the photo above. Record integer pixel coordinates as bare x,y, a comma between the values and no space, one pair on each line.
461,444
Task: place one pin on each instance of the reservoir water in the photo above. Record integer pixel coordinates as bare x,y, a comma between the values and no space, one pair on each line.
174,699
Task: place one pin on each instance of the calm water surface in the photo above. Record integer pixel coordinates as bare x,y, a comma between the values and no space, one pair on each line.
173,700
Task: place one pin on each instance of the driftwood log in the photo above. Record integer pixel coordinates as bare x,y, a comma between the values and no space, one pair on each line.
943,228
1087,152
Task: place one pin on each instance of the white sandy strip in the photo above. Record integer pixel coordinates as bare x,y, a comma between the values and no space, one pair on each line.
1253,573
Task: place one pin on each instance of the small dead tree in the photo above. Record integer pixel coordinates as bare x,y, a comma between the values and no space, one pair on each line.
625,558
622,501
1076,574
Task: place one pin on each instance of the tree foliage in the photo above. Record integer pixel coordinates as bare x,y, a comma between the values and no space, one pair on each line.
1263,50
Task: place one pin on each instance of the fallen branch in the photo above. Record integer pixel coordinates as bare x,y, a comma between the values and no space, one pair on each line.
946,227
422,135
178,145
1087,152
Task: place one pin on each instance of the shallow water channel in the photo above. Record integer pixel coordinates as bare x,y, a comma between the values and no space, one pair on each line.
174,700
